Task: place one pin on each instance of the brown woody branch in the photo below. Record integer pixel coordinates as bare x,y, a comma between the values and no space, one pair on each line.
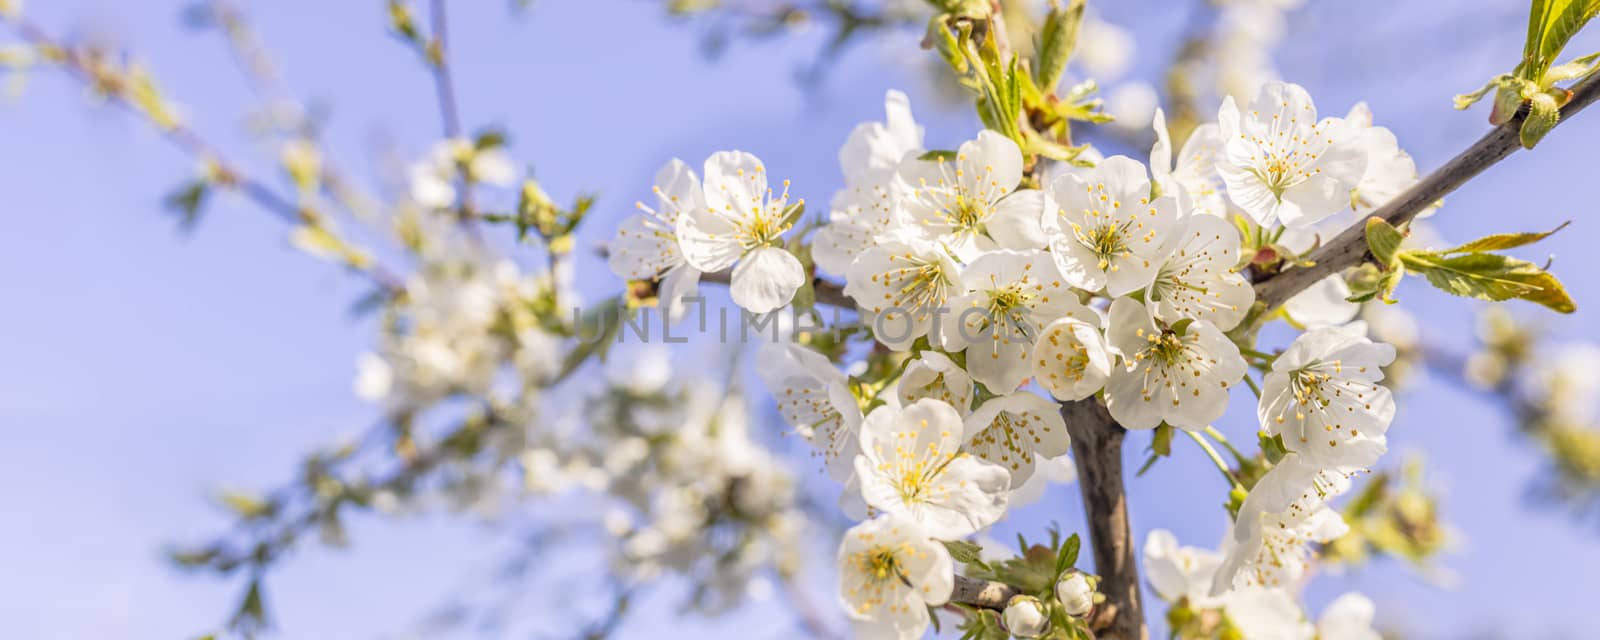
984,594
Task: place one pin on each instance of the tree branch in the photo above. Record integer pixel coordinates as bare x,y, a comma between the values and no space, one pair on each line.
1349,248
984,594
443,85
1097,451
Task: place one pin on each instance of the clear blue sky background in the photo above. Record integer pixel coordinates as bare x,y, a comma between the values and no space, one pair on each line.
142,368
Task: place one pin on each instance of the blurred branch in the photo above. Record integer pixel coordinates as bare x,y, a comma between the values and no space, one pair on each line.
438,53
266,82
92,68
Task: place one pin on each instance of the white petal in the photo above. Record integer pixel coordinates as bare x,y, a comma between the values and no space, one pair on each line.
766,279
1323,304
1016,219
735,183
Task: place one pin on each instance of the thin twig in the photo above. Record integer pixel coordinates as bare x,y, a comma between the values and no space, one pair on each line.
443,84
189,141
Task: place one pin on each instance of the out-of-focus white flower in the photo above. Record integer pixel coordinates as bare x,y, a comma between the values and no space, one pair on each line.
1569,387
1323,304
1198,279
1281,164
1182,379
935,375
1024,617
1323,397
1105,232
1179,573
1348,617
814,398
374,378
970,205
1390,170
1195,171
1266,614
741,227
1046,471
1013,430
901,287
1075,593
1007,298
889,574
1131,104
646,244
911,465
1070,359
1104,49
432,180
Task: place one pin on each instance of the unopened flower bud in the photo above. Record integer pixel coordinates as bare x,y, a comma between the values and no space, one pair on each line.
1075,593
1025,618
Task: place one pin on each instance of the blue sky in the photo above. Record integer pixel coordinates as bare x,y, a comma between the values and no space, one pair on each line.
144,368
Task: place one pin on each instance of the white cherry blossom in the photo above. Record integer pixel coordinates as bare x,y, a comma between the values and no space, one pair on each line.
867,209
1070,359
859,218
911,465
1259,613
1323,397
1200,279
1348,617
646,244
890,572
1281,164
1008,297
742,227
1195,170
1105,232
874,149
1285,514
1179,574
1013,430
901,287
971,204
1182,379
935,375
814,398
1390,170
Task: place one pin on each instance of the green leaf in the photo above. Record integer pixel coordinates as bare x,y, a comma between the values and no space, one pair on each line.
1488,276
938,155
1056,42
1067,556
1566,18
1161,443
246,506
1272,447
1383,240
188,201
1504,241
1544,112
251,616
964,552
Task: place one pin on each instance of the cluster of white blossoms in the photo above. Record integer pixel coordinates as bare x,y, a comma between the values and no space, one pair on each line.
1114,281
732,220
460,321
1182,576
